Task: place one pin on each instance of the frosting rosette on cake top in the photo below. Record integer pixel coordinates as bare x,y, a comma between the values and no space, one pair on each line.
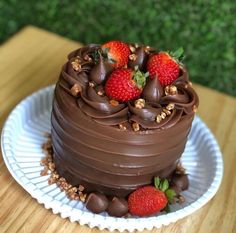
121,116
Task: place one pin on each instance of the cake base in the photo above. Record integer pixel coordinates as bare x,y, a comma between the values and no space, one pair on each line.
98,202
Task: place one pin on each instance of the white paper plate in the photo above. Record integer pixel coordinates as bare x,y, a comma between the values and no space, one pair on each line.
23,135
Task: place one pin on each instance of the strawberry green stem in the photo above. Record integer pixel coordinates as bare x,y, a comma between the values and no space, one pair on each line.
139,78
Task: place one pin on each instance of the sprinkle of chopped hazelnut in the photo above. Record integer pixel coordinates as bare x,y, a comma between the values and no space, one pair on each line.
170,106
167,112
114,103
44,172
139,103
163,115
180,169
75,64
135,126
147,49
171,90
101,93
82,197
51,166
132,49
186,86
194,108
75,89
190,84
181,199
81,188
136,45
122,127
158,118
132,57
91,84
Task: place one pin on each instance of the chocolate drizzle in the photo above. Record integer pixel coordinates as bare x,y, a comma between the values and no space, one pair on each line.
90,149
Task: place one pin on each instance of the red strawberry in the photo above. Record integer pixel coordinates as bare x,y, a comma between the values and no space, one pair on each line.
166,66
146,201
117,53
125,84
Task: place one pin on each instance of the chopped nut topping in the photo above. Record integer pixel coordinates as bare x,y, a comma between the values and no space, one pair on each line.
114,103
147,49
171,90
83,197
180,169
136,45
81,188
75,64
91,84
194,108
158,118
170,106
139,103
167,112
76,89
132,49
101,93
44,172
122,127
132,57
181,199
163,115
190,84
186,86
135,126
51,166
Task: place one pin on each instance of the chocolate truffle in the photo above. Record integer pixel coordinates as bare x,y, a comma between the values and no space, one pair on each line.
118,207
96,202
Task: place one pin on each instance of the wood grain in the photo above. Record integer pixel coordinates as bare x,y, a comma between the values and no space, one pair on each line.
31,60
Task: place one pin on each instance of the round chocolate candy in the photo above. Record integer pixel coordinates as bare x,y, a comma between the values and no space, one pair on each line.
96,202
118,207
181,181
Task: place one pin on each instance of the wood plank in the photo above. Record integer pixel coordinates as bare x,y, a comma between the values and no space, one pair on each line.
31,60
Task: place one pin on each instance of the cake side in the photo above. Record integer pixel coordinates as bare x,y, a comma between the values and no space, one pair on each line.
111,142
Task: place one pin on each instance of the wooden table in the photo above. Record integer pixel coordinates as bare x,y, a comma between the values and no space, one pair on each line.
31,60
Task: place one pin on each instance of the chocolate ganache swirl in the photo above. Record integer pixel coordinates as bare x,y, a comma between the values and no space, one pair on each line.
94,142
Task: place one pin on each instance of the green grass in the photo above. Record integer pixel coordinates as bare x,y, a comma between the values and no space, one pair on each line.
206,29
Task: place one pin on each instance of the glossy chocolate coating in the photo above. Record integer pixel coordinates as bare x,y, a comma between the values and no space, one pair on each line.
96,202
118,207
91,150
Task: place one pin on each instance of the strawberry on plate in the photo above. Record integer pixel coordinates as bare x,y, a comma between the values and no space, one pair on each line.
149,200
165,66
125,84
117,53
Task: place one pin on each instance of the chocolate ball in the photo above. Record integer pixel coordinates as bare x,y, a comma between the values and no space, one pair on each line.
181,181
118,207
96,202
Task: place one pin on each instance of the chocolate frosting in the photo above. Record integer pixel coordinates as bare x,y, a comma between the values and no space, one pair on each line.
89,147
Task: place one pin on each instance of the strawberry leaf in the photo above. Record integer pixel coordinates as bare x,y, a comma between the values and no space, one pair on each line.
139,78
178,54
170,194
164,185
157,182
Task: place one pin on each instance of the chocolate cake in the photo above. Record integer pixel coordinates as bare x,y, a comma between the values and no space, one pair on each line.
113,147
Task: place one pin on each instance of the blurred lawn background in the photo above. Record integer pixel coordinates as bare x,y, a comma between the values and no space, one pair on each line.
206,29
